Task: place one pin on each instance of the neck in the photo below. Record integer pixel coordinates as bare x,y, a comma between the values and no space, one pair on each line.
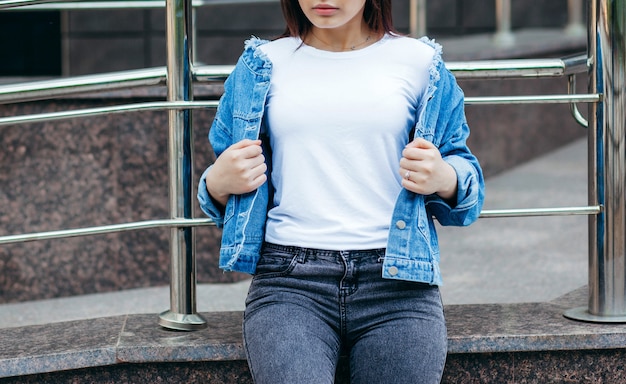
339,42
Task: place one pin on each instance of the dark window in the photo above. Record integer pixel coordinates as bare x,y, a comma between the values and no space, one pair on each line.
30,43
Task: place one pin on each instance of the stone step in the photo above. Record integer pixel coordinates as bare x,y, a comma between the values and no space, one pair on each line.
488,343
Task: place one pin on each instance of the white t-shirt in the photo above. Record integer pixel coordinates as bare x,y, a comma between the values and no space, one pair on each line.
338,122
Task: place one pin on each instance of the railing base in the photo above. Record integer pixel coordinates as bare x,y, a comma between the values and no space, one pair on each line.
582,314
181,321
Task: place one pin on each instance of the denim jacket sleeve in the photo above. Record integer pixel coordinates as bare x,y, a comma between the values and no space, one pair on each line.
238,115
443,122
220,138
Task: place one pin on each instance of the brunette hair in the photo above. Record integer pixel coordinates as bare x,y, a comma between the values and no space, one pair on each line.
377,15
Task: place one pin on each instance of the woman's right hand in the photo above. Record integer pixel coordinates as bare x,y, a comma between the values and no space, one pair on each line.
239,169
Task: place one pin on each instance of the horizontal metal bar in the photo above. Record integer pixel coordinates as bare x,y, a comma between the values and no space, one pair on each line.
158,105
566,211
37,90
485,69
576,64
204,73
7,4
65,233
88,112
77,5
592,210
47,89
534,99
518,68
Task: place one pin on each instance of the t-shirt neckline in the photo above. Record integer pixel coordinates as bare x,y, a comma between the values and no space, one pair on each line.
343,54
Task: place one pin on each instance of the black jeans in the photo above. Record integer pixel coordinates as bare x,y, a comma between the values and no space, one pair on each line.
306,307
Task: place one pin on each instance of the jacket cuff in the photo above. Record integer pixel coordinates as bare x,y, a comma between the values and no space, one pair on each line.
468,198
209,206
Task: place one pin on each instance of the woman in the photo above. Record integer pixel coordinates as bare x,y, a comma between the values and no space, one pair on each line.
336,145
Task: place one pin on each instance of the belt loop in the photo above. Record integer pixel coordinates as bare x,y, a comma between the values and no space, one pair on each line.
301,256
381,254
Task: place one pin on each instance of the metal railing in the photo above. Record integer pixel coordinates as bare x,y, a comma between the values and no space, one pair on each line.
604,64
503,35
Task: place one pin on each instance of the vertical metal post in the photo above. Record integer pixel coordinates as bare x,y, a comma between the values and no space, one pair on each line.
575,25
194,36
182,314
607,165
503,36
417,18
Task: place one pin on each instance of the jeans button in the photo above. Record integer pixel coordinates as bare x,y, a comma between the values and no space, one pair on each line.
400,224
393,271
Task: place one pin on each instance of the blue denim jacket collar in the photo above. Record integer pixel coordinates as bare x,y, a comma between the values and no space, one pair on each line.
413,251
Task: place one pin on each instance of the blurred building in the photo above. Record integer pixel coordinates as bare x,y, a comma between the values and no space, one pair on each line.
75,42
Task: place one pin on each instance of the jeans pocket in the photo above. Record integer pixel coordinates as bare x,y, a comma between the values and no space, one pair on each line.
275,262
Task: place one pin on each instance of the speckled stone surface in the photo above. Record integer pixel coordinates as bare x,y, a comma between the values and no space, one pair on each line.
142,341
527,327
500,343
117,340
113,169
232,372
87,172
61,346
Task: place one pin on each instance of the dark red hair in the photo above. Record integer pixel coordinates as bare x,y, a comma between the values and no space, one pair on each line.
377,15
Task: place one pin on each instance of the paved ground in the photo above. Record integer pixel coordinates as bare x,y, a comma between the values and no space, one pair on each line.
506,260
496,260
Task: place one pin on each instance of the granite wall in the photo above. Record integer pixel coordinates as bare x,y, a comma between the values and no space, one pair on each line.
114,169
85,172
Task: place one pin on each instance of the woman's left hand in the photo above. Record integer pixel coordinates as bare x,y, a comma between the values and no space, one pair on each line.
424,171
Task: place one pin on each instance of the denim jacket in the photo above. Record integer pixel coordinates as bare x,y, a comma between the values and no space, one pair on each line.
412,251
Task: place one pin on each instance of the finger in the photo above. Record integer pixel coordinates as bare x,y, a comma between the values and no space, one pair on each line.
251,152
256,177
245,151
259,174
406,165
245,143
407,168
254,161
420,143
417,149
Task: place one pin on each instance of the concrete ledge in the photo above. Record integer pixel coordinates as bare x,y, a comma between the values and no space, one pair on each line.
487,343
